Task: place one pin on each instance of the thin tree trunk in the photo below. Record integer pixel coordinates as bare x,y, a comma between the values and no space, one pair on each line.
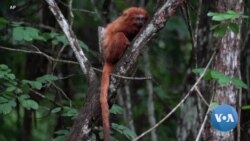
124,96
150,102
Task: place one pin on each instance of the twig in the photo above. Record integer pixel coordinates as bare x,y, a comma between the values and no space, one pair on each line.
204,122
44,97
199,93
179,104
75,9
63,93
40,53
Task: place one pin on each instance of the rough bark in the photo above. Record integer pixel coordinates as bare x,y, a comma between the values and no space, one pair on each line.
227,61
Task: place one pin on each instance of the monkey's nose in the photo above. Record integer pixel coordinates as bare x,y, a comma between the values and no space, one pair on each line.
140,24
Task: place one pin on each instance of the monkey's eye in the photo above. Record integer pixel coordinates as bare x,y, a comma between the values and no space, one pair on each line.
139,18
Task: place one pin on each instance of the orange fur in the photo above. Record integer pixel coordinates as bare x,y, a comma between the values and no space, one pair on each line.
117,37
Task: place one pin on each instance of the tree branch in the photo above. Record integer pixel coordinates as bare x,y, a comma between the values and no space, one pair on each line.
74,44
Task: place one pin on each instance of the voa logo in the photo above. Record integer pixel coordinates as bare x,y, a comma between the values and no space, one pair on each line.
224,117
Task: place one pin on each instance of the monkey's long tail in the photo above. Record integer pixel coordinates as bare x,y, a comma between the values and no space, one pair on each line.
107,69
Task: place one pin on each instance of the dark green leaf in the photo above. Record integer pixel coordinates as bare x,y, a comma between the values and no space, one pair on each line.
69,112
3,100
210,14
62,132
22,98
116,109
46,78
30,104
3,67
62,39
11,76
239,83
83,45
3,21
34,84
26,34
56,110
7,107
214,27
234,27
11,89
220,31
245,107
124,131
198,71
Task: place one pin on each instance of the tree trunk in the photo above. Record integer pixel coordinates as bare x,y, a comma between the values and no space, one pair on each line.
226,61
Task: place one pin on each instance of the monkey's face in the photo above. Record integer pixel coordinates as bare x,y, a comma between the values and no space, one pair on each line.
140,20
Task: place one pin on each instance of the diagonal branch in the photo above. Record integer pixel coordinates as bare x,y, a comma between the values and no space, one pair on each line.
180,103
74,44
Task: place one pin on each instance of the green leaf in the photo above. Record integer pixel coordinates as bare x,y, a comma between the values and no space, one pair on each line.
3,100
7,107
30,104
11,76
220,31
3,67
18,33
3,21
198,71
62,39
56,110
46,78
232,12
62,132
245,107
225,80
116,109
214,27
69,112
228,15
239,83
83,45
34,84
11,89
22,98
21,33
234,27
210,14
124,131
221,78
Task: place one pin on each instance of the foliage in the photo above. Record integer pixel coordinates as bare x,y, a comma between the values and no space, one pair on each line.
61,135
229,16
221,78
124,130
116,109
15,90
